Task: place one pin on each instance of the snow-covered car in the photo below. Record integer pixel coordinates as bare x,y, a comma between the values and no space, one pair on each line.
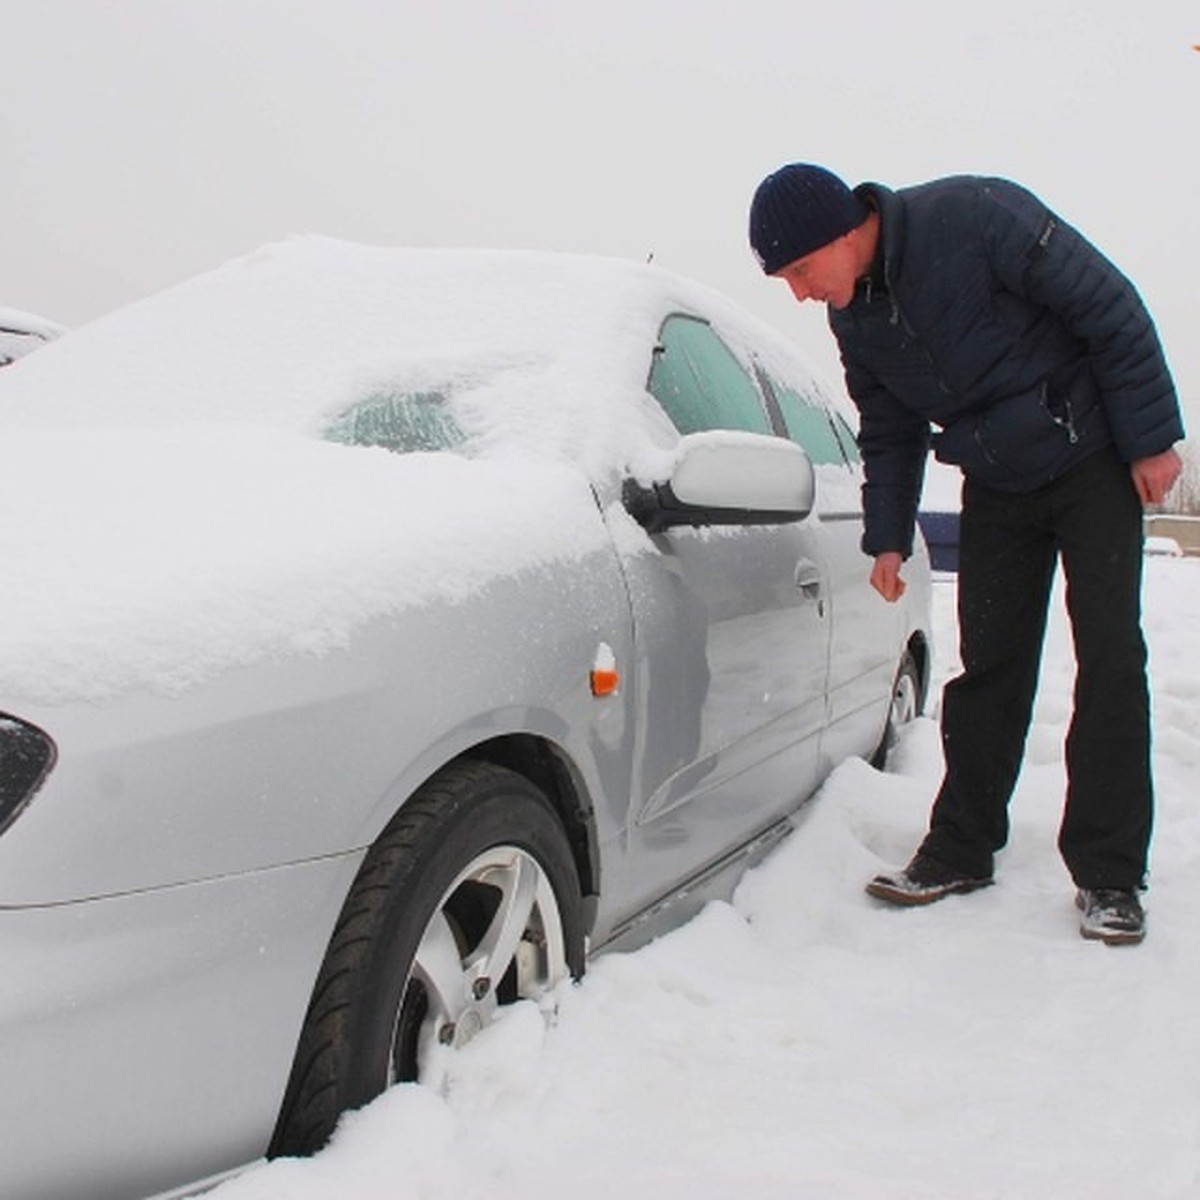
382,633
22,332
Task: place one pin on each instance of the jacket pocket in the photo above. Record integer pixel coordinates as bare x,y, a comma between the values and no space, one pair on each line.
1028,439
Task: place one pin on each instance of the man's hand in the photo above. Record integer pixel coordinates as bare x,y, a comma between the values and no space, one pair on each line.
885,576
1154,477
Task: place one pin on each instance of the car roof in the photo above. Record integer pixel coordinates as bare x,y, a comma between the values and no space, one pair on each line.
296,329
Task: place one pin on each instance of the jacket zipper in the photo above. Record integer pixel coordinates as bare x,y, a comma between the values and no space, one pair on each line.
898,318
1067,422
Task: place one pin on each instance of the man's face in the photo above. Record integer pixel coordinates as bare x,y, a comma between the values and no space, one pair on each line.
828,274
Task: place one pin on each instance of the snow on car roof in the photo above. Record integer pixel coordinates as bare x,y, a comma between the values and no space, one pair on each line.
296,331
169,513
290,333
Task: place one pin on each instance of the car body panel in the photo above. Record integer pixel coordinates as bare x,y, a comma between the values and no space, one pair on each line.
284,762
147,1036
723,621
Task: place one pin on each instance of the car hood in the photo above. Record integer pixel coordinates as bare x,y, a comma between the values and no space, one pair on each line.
156,559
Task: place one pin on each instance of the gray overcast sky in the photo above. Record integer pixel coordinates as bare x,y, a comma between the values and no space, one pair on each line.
145,140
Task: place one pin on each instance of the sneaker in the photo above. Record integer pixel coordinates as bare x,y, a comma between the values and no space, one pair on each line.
923,881
1111,915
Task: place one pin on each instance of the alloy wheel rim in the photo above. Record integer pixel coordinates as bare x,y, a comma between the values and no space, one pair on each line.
494,937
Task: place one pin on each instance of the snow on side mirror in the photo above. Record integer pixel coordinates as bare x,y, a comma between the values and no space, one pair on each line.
724,477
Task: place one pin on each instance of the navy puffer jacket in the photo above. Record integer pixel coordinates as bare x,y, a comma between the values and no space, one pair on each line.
993,320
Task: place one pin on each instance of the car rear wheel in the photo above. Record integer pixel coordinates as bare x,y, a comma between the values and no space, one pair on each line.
903,708
468,901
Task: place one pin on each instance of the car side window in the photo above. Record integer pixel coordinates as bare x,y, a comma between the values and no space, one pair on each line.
809,423
403,423
699,382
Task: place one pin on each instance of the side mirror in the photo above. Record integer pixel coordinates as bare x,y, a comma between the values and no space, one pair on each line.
723,477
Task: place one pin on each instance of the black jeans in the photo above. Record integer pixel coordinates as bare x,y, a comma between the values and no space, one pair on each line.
1009,546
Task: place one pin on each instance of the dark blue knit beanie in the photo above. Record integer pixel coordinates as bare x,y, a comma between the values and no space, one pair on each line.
799,209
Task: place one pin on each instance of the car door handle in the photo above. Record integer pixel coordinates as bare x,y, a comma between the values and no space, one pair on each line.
808,579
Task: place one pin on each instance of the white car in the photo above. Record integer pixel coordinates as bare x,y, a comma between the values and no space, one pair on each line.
381,633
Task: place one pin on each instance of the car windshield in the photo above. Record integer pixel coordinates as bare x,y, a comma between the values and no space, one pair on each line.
400,422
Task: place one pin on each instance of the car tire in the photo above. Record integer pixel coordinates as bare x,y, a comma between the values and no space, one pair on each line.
469,900
903,707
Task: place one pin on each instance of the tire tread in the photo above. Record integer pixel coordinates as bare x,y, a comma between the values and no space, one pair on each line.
315,1094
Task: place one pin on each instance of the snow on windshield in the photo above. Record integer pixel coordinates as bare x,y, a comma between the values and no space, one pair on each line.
170,510
296,332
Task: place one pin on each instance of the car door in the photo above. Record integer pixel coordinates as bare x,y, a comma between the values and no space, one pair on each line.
733,635
865,632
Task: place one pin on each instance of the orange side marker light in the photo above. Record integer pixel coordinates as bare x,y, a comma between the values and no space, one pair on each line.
605,683
604,677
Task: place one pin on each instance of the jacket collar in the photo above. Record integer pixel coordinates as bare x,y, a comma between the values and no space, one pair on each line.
889,253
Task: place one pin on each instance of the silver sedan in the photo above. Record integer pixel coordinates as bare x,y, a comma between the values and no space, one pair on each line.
383,633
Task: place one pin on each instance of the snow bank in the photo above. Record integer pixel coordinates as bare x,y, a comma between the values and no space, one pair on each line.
807,1042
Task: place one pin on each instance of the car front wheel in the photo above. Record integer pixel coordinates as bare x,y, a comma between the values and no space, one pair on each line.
469,900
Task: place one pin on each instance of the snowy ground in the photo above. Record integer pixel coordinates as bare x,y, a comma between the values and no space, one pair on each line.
807,1042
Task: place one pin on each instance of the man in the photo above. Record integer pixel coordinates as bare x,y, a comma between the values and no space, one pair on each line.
966,305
